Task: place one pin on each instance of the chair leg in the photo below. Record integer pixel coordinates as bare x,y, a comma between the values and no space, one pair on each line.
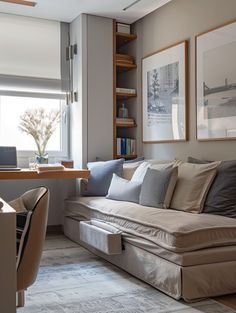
21,299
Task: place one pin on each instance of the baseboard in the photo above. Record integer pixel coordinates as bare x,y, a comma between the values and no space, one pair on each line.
52,229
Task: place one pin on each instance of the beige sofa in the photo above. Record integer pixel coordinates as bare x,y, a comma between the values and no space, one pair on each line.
189,256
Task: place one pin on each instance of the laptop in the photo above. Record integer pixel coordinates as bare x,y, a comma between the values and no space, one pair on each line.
8,159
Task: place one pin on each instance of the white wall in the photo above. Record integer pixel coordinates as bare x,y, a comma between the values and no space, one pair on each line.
100,87
78,110
174,22
91,118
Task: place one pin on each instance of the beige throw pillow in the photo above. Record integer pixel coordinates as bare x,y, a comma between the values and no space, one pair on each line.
129,169
194,181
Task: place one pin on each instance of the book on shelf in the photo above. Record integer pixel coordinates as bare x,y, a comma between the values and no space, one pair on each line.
123,28
124,58
126,90
127,121
126,146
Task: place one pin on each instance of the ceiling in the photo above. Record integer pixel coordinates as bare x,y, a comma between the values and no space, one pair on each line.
68,10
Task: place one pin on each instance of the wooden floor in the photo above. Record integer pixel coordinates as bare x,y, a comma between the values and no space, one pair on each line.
229,300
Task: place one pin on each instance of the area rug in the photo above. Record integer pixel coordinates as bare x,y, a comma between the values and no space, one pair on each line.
73,280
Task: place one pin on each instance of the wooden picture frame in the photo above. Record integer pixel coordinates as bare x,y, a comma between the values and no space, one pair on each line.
165,94
215,71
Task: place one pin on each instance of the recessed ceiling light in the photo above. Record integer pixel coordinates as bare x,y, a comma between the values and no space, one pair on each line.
21,2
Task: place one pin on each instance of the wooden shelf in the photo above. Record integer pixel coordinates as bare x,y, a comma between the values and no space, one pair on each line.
123,95
123,60
123,38
121,67
32,174
126,125
126,156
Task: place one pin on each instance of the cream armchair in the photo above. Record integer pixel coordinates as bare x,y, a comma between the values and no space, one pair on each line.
36,202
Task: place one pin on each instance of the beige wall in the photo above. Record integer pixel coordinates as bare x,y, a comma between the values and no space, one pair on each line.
174,22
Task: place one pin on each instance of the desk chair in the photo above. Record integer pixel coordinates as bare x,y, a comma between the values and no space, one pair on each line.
34,206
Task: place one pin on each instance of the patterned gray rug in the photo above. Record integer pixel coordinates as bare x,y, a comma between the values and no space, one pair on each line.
72,280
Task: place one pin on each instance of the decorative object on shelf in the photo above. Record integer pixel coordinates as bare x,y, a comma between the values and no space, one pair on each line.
216,83
40,124
123,111
164,81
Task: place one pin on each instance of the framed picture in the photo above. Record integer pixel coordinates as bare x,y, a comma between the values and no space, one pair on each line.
164,94
216,83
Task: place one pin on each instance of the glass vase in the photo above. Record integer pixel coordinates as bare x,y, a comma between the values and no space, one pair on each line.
41,159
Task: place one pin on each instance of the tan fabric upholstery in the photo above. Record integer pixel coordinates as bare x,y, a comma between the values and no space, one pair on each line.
35,200
194,181
171,229
18,205
188,282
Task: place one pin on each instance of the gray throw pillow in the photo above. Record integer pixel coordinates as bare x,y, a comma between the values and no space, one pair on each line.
124,190
158,187
101,176
221,198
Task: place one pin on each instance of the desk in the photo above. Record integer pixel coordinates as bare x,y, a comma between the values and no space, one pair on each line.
68,173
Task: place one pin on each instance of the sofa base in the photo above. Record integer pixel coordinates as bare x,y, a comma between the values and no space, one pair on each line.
191,283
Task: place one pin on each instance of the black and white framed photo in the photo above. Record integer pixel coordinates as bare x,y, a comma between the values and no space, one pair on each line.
216,83
164,94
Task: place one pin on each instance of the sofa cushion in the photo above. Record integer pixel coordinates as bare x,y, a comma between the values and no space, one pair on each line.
171,229
192,186
124,190
221,198
101,175
158,187
140,172
129,169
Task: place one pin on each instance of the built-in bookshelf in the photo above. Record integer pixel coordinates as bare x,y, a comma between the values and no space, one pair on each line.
124,141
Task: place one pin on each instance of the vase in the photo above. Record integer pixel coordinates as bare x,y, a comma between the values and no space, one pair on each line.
41,159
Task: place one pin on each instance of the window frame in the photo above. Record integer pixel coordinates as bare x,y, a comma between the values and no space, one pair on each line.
24,155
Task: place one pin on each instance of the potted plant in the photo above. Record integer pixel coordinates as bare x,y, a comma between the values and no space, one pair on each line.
40,124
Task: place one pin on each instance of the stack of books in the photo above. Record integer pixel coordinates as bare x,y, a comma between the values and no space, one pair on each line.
124,59
126,90
123,28
49,167
126,146
125,121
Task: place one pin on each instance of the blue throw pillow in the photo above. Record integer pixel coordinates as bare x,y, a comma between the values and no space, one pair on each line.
101,175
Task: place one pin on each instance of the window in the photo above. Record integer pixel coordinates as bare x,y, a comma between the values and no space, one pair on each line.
13,107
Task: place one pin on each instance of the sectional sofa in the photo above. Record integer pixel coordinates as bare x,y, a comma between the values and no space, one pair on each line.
183,254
